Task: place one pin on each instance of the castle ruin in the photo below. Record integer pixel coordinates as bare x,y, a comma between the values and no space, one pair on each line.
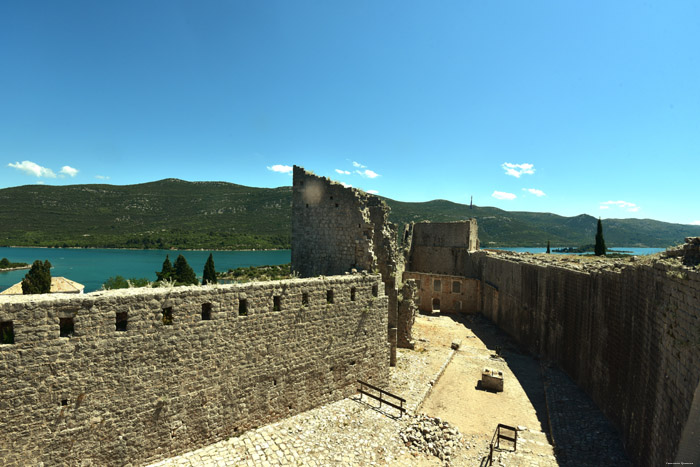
138,375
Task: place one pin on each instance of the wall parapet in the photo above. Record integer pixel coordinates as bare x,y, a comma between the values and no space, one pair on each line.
235,357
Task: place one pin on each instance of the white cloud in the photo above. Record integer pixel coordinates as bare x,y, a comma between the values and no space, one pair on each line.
346,185
68,170
30,168
516,170
626,205
283,169
358,165
372,192
535,191
503,195
342,172
41,182
101,177
695,223
367,173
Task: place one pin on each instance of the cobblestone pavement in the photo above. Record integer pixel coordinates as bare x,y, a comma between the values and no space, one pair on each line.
354,432
582,435
349,432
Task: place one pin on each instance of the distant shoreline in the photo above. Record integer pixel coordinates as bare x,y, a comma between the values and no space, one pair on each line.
15,269
142,249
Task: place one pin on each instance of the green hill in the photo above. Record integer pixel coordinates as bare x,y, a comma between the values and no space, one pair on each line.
217,215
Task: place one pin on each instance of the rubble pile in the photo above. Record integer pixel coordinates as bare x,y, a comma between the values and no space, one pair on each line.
432,436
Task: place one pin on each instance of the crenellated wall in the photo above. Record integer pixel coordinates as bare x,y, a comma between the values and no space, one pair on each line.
109,397
627,333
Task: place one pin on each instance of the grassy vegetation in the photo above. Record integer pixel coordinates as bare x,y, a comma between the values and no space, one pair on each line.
215,215
257,273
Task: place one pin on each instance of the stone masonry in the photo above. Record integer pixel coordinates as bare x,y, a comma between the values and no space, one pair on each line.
625,331
143,374
337,229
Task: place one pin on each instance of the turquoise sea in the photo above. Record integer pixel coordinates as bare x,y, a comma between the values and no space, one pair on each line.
620,249
92,267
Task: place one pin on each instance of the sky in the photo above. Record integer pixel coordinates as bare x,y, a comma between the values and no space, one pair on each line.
586,107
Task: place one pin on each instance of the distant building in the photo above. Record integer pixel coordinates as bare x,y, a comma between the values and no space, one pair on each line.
58,285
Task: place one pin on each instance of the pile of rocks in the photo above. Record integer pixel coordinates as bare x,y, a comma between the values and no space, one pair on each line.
432,436
690,252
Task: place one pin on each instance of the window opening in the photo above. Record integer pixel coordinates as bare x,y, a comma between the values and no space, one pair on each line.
121,321
329,296
456,287
437,285
375,290
67,327
276,303
352,293
243,307
206,311
305,299
168,316
7,332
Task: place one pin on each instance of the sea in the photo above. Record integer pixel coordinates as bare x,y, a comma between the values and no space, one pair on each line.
93,266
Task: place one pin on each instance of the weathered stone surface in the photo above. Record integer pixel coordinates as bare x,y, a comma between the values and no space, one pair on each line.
107,397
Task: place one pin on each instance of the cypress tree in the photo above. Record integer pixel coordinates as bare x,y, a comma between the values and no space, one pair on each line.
166,273
599,240
209,275
38,279
548,250
184,274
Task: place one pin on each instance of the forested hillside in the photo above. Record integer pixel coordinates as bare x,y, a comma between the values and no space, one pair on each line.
217,215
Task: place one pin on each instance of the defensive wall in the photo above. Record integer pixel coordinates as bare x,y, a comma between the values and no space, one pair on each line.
144,374
627,332
336,229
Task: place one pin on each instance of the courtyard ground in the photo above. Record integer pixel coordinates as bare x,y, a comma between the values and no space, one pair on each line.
440,382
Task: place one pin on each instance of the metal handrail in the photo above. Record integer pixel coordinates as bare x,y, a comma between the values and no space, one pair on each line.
381,400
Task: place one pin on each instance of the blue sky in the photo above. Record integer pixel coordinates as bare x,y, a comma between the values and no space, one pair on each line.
565,107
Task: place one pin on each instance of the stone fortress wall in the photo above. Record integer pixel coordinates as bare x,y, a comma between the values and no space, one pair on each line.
235,357
628,333
337,229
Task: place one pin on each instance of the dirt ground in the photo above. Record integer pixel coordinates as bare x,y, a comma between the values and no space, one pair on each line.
458,398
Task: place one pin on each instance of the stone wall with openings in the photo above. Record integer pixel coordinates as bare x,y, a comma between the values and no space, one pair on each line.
627,332
441,247
336,229
446,293
137,375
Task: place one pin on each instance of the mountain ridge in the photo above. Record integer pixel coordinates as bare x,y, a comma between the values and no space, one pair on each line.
175,213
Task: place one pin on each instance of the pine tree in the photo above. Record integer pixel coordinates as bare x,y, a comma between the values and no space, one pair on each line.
166,273
184,274
38,279
209,275
548,250
599,240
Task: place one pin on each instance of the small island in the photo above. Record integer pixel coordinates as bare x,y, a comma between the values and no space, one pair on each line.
6,265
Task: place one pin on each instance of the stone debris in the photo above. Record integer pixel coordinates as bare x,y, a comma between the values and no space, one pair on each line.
432,436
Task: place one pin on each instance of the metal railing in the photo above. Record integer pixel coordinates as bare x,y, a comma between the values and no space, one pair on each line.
498,436
400,405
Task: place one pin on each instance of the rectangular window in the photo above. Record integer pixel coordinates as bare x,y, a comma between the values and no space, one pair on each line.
305,299
7,332
243,307
352,293
121,321
329,296
67,327
276,303
206,311
168,316
437,285
456,287
375,290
